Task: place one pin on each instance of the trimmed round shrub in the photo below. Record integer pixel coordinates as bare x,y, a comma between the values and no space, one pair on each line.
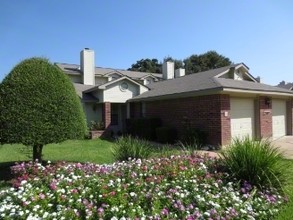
38,106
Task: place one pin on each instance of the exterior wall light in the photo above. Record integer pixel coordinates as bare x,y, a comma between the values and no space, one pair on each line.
268,101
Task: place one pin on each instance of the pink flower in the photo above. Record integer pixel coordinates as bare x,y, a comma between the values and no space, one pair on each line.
42,196
78,165
74,191
164,211
53,186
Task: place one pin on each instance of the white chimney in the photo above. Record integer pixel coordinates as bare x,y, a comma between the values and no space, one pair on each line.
179,72
87,66
168,70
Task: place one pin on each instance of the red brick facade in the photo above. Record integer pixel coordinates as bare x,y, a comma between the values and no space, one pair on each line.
210,113
265,117
107,114
135,110
225,119
203,112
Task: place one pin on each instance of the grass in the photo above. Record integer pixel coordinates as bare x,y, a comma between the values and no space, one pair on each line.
95,151
287,211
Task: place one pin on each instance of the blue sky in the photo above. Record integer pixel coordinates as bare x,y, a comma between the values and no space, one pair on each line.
258,33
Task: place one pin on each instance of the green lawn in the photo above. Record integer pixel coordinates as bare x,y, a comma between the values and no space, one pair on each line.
287,212
96,151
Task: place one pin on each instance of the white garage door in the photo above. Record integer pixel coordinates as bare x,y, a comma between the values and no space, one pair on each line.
242,118
279,118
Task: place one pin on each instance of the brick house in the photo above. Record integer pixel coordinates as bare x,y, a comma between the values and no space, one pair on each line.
227,102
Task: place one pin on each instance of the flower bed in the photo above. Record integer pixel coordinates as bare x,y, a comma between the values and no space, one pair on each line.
178,187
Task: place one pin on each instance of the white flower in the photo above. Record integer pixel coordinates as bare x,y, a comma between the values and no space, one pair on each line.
45,215
206,213
132,194
23,182
115,209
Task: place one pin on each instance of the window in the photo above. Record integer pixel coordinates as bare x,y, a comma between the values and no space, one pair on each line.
123,86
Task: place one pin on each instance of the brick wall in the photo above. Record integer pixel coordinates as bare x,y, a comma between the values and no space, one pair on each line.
135,110
107,114
265,117
204,112
225,119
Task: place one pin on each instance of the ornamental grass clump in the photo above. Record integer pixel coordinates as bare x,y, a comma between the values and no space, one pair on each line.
255,161
127,147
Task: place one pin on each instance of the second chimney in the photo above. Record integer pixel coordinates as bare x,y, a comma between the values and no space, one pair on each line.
168,70
87,66
179,72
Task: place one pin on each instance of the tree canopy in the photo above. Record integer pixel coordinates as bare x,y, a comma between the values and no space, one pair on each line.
192,64
147,65
206,61
38,106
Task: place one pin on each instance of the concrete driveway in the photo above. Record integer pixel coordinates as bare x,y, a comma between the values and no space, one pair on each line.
285,145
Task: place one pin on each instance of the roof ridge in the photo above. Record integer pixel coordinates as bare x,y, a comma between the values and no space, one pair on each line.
216,81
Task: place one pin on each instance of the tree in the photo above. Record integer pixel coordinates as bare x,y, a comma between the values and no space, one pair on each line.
192,64
203,62
38,106
147,65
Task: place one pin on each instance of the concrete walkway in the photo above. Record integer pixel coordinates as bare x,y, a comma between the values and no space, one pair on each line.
285,144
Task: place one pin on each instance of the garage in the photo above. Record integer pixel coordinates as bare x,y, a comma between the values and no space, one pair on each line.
279,118
242,117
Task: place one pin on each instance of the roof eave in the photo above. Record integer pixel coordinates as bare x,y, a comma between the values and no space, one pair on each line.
254,91
179,95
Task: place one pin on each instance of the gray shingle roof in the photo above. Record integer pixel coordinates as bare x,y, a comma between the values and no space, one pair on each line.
79,88
248,85
193,82
75,70
69,68
286,86
203,81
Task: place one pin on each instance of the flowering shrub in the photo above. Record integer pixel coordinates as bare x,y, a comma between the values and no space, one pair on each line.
177,187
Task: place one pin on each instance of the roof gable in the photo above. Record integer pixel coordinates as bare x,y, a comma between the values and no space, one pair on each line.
237,72
113,73
105,85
